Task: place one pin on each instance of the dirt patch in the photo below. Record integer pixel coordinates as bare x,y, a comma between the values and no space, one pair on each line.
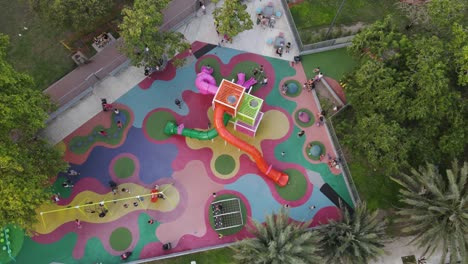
294,2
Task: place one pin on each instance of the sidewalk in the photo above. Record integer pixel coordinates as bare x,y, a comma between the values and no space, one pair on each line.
199,28
399,248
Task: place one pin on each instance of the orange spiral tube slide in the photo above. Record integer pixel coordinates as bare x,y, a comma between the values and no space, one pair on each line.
278,177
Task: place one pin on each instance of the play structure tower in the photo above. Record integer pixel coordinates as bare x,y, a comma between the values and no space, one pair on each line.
228,98
243,107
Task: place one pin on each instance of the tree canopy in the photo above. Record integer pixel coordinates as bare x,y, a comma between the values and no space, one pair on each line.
79,15
279,241
357,238
144,42
232,18
407,96
27,163
436,209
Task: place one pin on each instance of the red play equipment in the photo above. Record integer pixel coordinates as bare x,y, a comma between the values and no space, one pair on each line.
154,195
278,177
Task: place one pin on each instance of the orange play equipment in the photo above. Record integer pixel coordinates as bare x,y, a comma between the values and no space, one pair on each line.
231,98
278,177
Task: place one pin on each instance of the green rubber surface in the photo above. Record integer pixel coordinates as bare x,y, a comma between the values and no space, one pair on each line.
124,167
155,124
322,147
120,239
234,230
296,188
302,124
225,164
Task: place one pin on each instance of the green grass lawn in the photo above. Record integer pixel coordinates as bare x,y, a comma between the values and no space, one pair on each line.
312,15
334,63
218,256
319,13
38,51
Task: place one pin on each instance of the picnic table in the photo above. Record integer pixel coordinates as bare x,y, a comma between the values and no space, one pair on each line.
268,11
279,41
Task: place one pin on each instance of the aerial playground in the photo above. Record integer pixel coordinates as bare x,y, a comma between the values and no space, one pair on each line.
170,178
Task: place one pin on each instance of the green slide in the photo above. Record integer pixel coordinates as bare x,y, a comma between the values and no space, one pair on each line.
171,129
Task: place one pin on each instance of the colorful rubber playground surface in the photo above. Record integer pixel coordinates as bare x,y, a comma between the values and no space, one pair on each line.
140,155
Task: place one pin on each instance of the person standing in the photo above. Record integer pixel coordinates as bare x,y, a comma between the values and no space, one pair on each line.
203,7
300,134
103,133
78,223
178,103
288,47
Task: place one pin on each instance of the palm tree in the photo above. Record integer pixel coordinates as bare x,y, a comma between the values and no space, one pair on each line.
278,242
436,209
357,238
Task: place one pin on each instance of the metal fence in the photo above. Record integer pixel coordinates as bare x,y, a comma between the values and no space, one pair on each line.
334,43
174,18
344,164
292,25
339,152
81,90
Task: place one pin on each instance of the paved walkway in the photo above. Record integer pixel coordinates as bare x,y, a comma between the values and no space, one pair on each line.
399,248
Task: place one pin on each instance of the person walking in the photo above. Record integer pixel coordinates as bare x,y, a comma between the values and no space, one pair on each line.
78,223
103,133
288,47
178,103
203,7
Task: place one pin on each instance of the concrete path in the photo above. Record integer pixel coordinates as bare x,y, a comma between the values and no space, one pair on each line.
199,28
398,248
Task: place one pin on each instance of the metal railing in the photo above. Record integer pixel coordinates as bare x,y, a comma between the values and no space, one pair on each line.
292,25
339,152
338,43
344,164
86,87
175,21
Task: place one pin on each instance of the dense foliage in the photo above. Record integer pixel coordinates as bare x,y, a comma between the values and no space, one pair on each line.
407,96
436,209
144,42
79,15
279,242
27,163
232,18
357,238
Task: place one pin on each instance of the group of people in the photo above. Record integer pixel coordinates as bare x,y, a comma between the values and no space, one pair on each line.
283,48
310,84
265,22
102,40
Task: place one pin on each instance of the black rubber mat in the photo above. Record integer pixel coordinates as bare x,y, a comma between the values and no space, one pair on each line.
207,48
334,197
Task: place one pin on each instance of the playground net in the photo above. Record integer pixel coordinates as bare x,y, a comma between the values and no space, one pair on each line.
227,214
